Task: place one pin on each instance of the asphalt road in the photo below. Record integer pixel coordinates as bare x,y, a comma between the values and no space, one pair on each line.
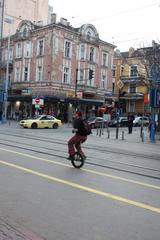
116,195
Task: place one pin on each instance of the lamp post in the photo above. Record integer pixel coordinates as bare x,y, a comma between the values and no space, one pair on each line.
1,36
153,101
5,97
76,82
1,20
120,85
6,81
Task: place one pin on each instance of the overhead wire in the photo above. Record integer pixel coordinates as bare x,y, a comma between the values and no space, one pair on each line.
120,13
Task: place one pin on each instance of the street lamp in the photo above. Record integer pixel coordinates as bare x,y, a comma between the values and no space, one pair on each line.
76,82
1,36
1,20
153,101
7,20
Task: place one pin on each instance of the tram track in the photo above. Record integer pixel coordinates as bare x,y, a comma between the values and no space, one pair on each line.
90,147
93,162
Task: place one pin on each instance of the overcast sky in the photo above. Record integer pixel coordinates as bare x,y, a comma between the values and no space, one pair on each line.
125,23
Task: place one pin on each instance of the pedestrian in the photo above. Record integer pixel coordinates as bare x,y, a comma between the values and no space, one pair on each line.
130,122
1,114
151,126
79,137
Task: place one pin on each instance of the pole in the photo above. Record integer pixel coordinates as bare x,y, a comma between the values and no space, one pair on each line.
76,83
1,20
7,80
1,37
152,133
117,125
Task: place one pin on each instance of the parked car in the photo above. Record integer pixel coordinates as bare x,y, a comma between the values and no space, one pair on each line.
139,120
41,121
122,122
97,122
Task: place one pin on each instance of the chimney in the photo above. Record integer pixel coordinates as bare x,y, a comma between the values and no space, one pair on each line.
64,22
53,17
131,51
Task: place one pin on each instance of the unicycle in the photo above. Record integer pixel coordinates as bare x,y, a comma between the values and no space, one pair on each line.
78,160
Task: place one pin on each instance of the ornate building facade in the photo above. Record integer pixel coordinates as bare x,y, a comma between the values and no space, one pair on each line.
64,66
131,84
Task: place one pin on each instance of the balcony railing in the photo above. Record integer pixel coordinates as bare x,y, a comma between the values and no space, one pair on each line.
87,88
3,64
133,96
133,79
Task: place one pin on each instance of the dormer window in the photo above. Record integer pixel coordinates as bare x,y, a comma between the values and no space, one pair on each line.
88,35
25,30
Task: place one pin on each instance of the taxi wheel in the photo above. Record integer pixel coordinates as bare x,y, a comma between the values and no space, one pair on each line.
34,125
55,125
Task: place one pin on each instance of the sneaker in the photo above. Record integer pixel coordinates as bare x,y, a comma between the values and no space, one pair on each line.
71,157
84,157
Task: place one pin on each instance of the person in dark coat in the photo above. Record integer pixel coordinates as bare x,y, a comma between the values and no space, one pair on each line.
79,137
130,122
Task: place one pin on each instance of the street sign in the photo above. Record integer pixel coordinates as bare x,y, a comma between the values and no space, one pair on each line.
102,108
120,84
37,100
79,94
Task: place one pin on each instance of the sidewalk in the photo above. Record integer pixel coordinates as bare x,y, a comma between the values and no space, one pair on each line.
129,142
8,232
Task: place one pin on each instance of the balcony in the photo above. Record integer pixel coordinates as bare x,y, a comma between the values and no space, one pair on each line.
87,89
133,79
93,40
4,64
133,96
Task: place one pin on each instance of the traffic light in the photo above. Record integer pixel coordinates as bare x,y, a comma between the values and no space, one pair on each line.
91,74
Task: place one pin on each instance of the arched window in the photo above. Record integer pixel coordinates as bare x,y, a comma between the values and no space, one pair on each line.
88,35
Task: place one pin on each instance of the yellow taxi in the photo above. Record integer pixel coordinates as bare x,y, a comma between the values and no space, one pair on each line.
41,121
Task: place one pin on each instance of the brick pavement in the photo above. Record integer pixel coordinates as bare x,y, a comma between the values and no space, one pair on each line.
10,232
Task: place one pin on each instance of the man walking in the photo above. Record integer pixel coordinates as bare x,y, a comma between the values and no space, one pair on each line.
130,123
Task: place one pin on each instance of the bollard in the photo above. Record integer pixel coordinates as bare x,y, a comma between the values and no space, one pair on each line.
100,132
141,131
116,133
108,132
97,130
103,128
142,136
122,135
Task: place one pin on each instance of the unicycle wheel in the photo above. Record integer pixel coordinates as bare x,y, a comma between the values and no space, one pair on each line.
78,160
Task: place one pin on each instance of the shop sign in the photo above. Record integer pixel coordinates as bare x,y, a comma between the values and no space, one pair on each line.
146,98
26,91
102,108
70,94
79,94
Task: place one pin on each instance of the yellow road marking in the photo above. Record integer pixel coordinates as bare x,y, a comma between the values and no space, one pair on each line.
86,170
88,189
